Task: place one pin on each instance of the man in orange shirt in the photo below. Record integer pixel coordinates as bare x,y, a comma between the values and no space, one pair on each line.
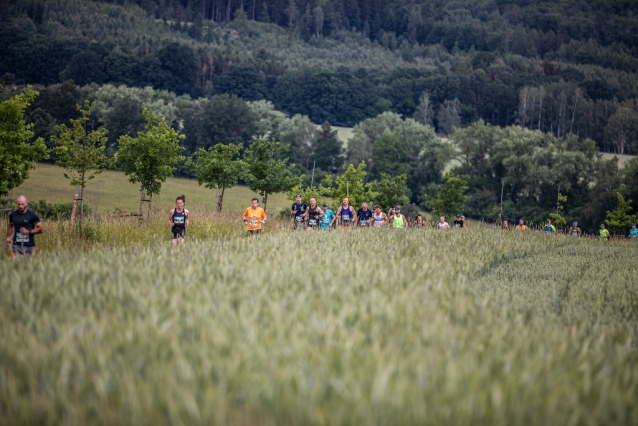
254,216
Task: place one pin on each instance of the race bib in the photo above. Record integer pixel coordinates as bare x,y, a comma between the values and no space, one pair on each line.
299,218
178,220
254,221
312,222
458,225
363,223
22,238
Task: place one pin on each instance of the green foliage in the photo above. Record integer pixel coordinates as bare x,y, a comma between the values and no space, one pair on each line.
148,159
620,219
450,198
349,184
80,151
306,194
266,172
219,167
390,191
556,217
17,155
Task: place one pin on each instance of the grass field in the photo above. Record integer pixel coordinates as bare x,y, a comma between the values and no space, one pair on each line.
47,182
622,159
367,327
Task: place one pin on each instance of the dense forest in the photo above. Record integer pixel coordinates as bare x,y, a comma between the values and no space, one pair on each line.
229,71
560,67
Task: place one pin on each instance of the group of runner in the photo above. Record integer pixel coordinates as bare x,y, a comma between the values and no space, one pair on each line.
24,224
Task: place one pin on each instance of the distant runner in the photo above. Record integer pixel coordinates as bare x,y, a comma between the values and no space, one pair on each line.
459,222
23,225
254,217
633,232
397,219
345,214
418,222
313,214
364,215
442,223
604,234
521,226
506,224
378,217
575,230
328,217
178,219
549,228
298,210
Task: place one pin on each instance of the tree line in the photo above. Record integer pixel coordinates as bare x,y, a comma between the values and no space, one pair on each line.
504,62
511,172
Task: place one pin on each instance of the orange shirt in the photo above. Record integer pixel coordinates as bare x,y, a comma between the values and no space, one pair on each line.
254,217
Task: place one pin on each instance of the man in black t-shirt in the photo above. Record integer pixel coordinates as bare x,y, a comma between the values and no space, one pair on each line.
23,225
298,210
364,215
459,222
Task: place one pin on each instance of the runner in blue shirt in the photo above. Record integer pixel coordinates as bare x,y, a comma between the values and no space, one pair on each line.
633,232
328,217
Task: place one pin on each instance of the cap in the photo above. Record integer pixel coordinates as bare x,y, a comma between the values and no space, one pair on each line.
325,204
633,224
521,221
575,223
298,196
458,215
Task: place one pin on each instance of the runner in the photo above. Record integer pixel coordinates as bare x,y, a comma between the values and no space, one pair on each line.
506,224
364,215
298,210
633,232
23,225
254,216
328,218
521,226
442,223
313,214
459,222
398,220
345,214
178,220
379,218
604,234
575,230
549,228
418,222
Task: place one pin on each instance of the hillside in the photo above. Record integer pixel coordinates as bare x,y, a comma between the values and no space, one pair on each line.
504,62
111,191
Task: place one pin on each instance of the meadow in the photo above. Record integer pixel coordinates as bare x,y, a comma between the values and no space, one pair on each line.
112,191
342,328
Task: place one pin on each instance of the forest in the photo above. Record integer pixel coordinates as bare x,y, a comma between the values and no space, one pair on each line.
542,84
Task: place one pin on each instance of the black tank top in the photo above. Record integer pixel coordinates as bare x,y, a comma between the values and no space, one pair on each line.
313,213
179,220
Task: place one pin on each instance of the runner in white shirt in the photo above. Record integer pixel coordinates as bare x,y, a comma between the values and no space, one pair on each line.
442,223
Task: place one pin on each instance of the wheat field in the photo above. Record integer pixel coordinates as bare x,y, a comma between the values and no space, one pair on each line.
369,327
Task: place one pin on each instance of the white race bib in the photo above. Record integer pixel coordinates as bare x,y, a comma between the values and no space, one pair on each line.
22,238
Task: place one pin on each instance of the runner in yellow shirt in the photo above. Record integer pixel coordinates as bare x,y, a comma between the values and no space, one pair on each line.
254,216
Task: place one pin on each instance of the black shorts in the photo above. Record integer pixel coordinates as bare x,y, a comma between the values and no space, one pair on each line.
178,233
254,232
20,250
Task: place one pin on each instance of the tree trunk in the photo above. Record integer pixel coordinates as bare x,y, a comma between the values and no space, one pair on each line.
253,14
141,212
220,200
150,201
228,11
81,203
265,200
73,210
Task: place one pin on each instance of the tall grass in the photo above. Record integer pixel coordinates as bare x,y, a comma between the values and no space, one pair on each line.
363,327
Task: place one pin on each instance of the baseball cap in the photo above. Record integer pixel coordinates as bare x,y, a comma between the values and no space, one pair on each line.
298,196
458,215
325,204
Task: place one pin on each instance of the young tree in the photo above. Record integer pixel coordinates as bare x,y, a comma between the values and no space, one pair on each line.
17,155
349,184
450,197
619,219
81,152
266,173
219,167
148,159
391,191
558,219
424,112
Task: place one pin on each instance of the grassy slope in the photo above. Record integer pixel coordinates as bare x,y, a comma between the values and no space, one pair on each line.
476,327
47,182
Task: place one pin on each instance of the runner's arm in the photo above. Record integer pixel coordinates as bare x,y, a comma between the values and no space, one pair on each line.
188,216
405,222
10,232
170,217
320,211
39,228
